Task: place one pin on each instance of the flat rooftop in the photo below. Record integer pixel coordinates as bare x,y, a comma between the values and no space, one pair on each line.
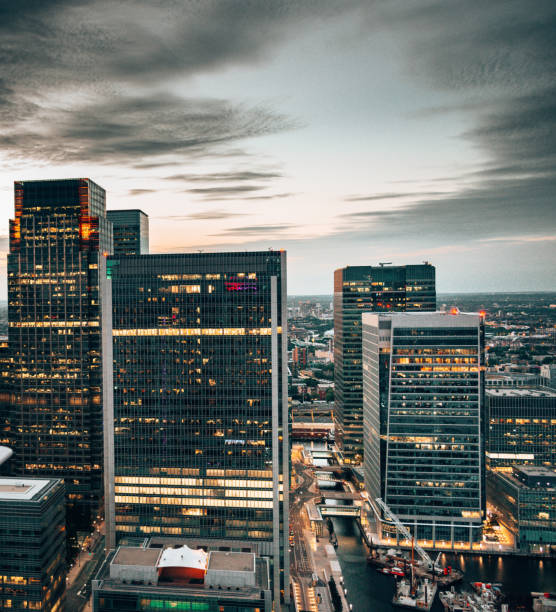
131,555
22,489
535,470
231,561
538,392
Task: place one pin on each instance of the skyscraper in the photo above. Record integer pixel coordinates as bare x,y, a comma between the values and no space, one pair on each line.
201,442
58,241
32,544
424,421
359,289
131,231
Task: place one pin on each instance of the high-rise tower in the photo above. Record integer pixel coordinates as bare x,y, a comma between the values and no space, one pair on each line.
359,289
201,442
131,231
59,239
424,421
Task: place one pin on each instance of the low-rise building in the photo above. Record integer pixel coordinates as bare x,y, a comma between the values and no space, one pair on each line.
173,576
526,501
32,544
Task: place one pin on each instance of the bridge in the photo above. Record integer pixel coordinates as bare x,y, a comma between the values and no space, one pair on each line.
335,470
352,511
344,495
312,431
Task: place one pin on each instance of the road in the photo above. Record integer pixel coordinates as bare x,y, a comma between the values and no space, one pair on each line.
86,565
301,570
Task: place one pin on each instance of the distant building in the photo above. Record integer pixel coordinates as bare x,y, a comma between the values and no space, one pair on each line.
32,544
424,421
201,439
494,380
521,427
359,289
548,375
174,577
131,231
59,240
526,499
299,356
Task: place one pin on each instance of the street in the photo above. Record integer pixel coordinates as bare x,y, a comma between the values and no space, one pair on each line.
78,579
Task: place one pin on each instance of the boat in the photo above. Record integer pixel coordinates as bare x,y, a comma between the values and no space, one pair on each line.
453,602
421,597
391,571
485,597
544,602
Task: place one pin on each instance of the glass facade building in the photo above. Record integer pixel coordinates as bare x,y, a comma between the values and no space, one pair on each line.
32,544
423,418
59,239
201,440
131,231
526,501
521,427
359,289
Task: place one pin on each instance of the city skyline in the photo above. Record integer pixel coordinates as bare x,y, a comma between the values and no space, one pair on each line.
347,134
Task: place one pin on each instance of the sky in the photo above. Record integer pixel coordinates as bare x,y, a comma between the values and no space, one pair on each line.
347,133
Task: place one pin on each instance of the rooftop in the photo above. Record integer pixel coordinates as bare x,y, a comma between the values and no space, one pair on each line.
536,471
131,555
22,489
232,561
521,392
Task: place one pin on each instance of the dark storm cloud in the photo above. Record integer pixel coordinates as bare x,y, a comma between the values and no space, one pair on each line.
121,130
499,61
68,62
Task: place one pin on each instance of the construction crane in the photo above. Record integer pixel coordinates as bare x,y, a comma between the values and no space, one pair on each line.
407,534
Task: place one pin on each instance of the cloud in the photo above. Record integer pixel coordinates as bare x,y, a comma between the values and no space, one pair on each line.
223,177
226,191
272,196
79,57
497,61
208,215
123,130
390,196
521,239
255,230
136,192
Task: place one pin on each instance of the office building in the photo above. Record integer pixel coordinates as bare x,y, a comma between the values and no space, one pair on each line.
423,418
548,375
525,499
32,544
131,231
59,239
201,440
521,427
5,370
175,577
359,289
